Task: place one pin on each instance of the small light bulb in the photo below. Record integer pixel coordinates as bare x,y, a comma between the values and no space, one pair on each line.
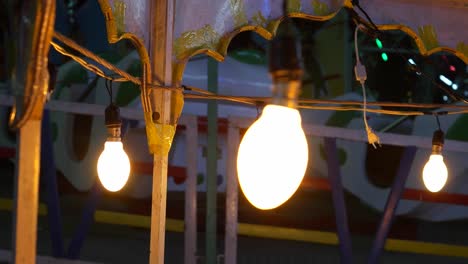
272,158
445,80
113,166
435,173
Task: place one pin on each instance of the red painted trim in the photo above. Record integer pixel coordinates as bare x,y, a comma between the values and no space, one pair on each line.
144,168
440,197
203,125
309,183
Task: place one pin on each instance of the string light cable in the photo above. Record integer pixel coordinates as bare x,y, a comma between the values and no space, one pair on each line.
90,67
369,19
361,76
195,93
121,75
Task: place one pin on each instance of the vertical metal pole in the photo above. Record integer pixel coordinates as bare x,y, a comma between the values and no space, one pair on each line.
392,203
158,210
30,81
211,165
230,242
341,217
190,238
49,173
162,24
27,193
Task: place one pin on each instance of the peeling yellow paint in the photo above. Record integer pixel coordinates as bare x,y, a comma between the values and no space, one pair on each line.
463,48
428,36
190,41
259,20
238,13
320,8
119,14
346,3
294,6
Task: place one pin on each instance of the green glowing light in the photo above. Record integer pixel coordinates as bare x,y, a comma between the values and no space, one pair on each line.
379,43
384,56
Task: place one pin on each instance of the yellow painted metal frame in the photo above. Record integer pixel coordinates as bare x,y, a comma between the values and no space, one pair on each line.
114,37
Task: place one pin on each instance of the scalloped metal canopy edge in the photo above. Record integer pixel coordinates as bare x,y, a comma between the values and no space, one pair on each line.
208,26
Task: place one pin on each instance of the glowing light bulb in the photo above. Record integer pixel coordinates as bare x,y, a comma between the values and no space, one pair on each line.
272,157
113,166
435,173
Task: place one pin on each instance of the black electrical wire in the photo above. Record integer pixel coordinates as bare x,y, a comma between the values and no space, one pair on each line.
414,68
285,7
356,3
438,121
108,84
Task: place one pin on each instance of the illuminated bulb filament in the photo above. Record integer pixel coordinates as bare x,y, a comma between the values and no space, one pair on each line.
113,166
272,157
435,173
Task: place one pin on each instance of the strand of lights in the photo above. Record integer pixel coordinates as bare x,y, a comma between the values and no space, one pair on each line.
206,95
282,108
318,104
435,172
448,82
445,80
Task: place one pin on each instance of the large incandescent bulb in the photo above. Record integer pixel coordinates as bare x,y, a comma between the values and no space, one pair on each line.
435,172
272,158
113,166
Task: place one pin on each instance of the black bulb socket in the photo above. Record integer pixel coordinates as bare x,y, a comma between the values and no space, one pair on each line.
285,53
437,142
285,65
113,122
